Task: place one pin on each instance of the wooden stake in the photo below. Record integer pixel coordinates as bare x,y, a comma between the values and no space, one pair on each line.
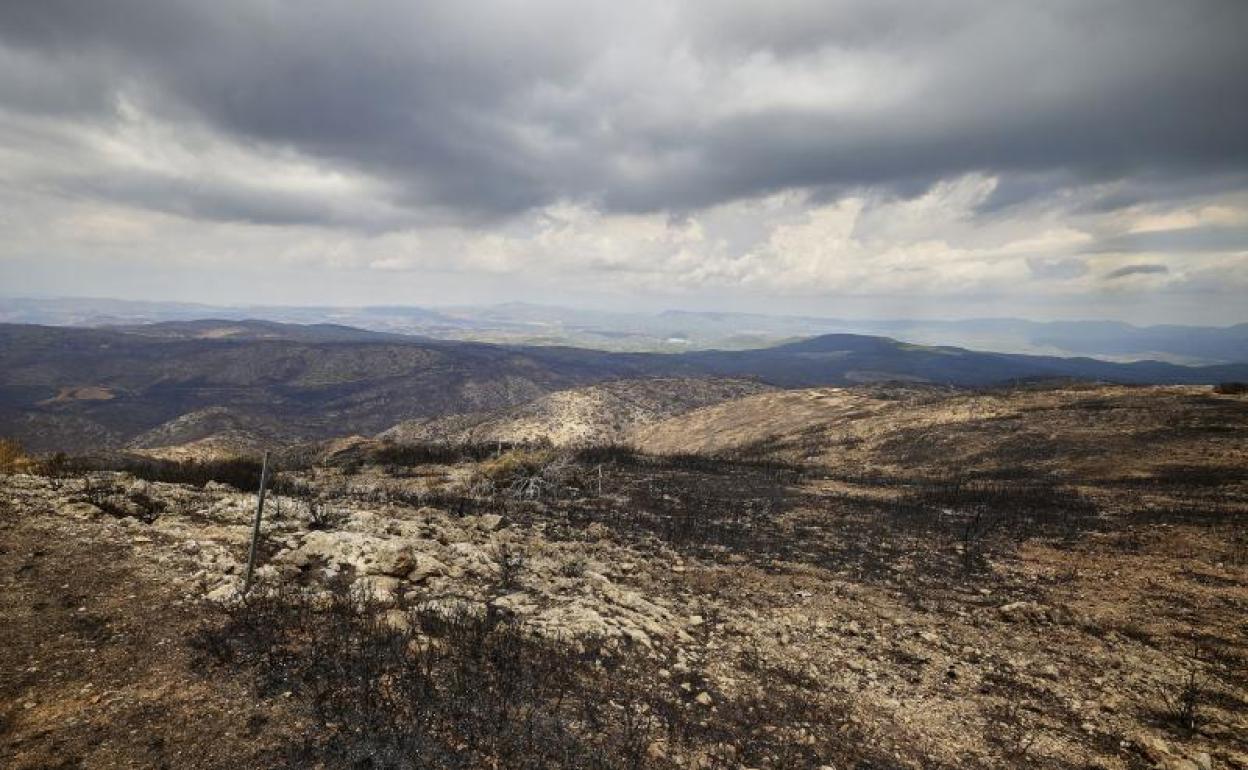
255,528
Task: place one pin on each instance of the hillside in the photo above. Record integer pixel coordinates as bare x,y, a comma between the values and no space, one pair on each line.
136,382
675,330
603,413
1084,431
230,431
252,329
875,577
847,359
63,388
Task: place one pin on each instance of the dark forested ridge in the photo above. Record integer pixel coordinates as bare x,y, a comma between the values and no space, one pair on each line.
79,388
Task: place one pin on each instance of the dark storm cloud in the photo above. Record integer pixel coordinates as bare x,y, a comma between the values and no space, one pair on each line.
224,201
1152,187
1127,270
483,110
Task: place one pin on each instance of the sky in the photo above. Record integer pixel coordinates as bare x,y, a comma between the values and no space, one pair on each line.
869,158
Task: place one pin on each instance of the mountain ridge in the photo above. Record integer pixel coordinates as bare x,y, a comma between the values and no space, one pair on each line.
679,330
64,387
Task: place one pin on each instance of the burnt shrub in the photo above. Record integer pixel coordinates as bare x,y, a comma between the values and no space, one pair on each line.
1020,508
607,454
323,517
708,506
1231,388
241,473
1178,474
1179,703
57,465
511,565
959,523
119,503
731,512
416,454
687,461
407,454
529,474
458,689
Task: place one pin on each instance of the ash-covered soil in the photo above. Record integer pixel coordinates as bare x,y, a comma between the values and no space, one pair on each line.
924,580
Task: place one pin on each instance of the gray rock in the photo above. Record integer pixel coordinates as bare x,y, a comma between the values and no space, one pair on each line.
425,567
489,522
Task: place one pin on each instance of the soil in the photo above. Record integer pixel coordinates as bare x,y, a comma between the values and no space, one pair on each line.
96,669
1069,644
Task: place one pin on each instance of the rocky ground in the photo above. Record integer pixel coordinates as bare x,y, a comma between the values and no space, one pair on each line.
1073,643
605,413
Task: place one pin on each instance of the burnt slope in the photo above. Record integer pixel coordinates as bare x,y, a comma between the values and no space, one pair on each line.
67,388
137,382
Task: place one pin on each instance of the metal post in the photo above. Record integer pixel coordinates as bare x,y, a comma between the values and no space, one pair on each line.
255,528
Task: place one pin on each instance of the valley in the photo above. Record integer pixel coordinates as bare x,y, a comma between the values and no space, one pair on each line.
537,385
77,389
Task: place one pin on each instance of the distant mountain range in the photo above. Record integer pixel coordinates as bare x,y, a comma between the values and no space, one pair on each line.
73,388
675,331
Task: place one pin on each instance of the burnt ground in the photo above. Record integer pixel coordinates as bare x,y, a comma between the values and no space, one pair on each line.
1056,607
95,668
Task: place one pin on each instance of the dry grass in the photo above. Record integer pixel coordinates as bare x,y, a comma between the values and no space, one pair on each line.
12,458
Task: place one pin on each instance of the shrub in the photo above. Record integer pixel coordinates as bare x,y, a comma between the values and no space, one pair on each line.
575,567
115,502
528,474
607,454
322,517
241,473
511,563
56,465
1018,509
441,452
459,689
1231,388
1181,704
517,462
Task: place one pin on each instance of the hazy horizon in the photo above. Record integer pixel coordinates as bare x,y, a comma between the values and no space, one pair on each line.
591,308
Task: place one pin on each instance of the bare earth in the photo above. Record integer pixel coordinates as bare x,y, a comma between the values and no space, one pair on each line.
1062,647
594,414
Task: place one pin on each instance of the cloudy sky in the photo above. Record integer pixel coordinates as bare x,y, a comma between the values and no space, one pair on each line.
1080,158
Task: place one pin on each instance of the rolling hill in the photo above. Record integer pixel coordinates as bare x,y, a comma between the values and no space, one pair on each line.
604,413
1109,432
71,388
673,330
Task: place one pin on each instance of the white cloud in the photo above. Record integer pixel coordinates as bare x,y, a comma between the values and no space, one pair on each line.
711,151
932,246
